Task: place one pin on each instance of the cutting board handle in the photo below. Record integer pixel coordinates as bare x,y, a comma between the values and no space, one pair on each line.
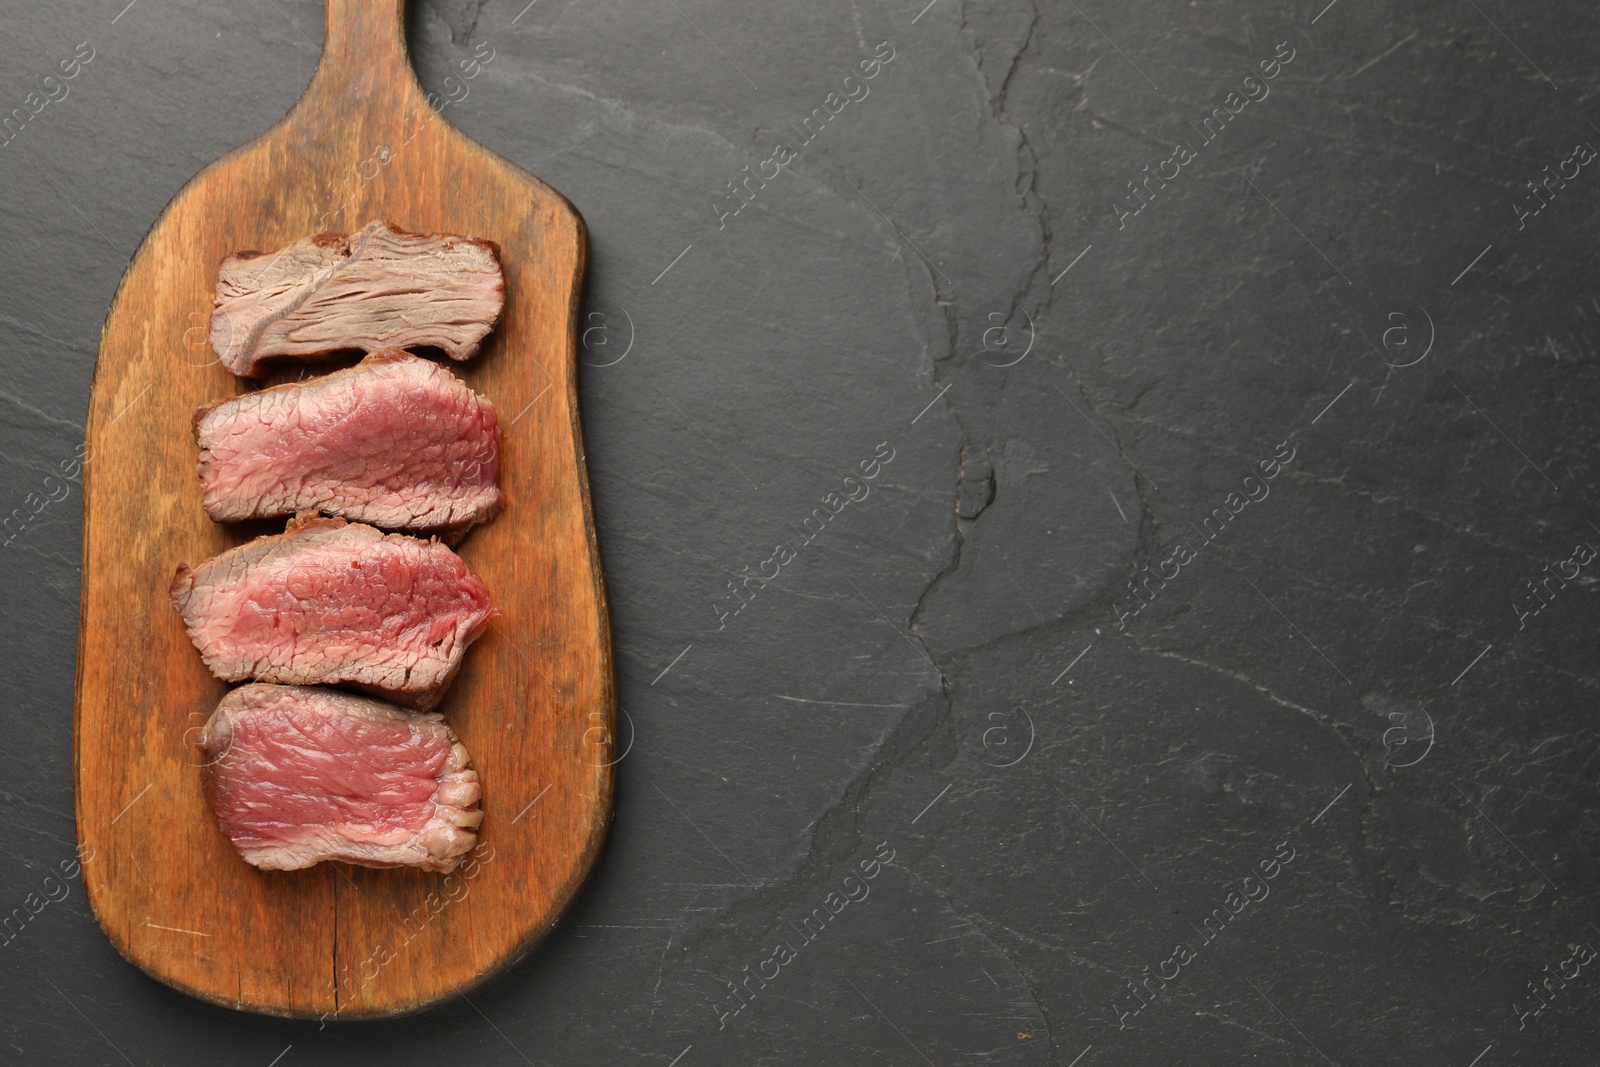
362,34
364,60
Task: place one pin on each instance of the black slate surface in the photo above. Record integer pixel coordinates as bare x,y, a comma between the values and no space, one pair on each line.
1342,679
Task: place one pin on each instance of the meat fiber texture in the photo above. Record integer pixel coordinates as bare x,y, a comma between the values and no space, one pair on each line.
336,603
379,287
396,442
299,775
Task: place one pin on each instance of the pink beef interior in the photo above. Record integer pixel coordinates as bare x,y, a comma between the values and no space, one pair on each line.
331,602
291,773
373,602
395,441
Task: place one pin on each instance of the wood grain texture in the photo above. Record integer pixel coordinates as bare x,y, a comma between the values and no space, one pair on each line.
535,701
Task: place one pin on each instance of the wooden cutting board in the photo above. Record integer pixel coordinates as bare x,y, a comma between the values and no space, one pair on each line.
535,701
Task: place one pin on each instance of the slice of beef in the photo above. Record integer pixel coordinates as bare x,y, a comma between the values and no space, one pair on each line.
376,288
337,603
299,775
396,442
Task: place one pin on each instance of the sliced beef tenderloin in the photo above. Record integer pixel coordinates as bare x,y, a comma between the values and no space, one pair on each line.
299,775
337,603
379,287
396,442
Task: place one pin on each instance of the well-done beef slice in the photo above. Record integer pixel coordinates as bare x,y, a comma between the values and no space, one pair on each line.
379,287
298,775
336,603
396,442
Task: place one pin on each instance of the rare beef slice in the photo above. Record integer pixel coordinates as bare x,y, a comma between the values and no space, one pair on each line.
396,442
298,775
336,603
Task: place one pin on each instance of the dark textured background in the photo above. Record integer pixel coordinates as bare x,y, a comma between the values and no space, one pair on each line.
942,668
